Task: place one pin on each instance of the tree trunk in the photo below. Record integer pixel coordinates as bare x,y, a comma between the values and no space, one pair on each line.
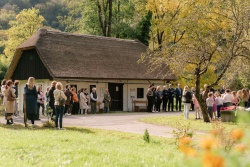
102,26
110,18
160,38
202,100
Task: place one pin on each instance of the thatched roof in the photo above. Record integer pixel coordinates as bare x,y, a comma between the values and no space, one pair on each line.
67,55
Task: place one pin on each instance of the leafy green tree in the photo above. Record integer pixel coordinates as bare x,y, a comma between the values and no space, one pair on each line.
95,17
3,70
144,29
27,22
51,11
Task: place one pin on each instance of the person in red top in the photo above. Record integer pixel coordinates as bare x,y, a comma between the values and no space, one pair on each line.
75,102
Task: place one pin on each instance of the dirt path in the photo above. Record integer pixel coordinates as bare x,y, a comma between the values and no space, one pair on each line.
124,122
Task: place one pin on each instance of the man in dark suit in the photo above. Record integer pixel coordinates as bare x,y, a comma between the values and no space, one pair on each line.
170,93
164,98
178,97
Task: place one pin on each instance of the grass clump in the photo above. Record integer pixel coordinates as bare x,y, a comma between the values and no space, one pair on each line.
146,136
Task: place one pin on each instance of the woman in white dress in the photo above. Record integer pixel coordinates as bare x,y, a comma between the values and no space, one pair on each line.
83,102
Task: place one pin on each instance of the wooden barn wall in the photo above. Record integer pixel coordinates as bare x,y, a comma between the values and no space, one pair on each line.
30,65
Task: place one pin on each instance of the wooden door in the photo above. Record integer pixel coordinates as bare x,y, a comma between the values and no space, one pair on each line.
116,93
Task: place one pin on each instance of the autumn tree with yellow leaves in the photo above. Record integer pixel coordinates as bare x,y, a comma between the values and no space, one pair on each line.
27,22
195,38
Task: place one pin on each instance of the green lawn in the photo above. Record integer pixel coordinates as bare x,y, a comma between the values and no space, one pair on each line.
83,147
200,125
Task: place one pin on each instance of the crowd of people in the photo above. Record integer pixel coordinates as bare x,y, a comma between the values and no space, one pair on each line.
68,101
61,101
164,100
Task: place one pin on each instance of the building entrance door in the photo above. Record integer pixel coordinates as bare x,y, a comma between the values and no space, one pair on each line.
116,93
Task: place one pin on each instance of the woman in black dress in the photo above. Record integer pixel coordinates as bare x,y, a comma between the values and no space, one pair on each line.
31,100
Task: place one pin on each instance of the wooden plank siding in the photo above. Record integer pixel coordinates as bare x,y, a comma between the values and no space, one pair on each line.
30,65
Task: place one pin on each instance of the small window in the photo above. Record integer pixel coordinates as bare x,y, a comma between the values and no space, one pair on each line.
140,92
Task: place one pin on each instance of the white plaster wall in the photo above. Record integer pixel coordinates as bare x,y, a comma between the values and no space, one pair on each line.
128,85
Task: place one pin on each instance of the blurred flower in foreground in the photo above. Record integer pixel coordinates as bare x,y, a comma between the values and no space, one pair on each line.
211,160
189,151
207,143
241,148
214,132
237,134
185,140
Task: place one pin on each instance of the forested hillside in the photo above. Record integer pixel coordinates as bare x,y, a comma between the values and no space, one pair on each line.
19,19
175,30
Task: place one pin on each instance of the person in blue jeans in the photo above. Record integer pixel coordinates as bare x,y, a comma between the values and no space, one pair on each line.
59,106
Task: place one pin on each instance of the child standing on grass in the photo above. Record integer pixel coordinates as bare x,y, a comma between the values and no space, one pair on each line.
219,103
210,103
196,107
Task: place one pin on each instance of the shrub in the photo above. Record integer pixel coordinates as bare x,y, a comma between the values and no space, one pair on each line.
146,136
183,130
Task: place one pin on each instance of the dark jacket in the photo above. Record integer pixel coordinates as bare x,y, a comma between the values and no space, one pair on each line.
187,97
51,97
158,95
178,93
69,96
164,94
171,92
16,90
31,99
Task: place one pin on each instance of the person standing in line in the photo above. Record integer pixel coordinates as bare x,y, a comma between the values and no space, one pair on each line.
78,97
197,107
93,100
219,103
52,99
171,93
68,94
245,95
158,98
16,83
83,102
47,99
187,98
3,87
214,106
235,99
75,107
31,99
150,97
210,103
164,98
240,96
193,93
40,102
87,96
227,98
9,104
178,97
106,100
59,106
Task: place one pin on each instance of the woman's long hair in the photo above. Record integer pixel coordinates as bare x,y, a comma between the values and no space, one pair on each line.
30,82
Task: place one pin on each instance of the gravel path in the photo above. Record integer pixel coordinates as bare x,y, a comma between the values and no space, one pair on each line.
124,122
